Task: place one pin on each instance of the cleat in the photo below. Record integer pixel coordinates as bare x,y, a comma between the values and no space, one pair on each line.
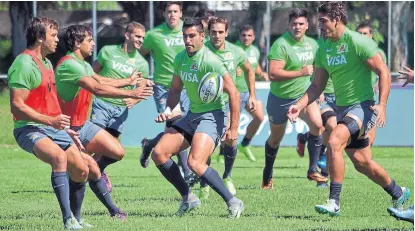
192,179
330,208
107,181
229,184
247,151
398,204
235,209
84,224
204,193
322,185
316,176
72,224
301,141
120,215
220,159
405,215
267,186
146,151
322,161
187,206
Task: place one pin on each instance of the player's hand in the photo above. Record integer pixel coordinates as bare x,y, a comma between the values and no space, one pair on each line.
61,122
129,102
149,83
231,135
134,78
307,69
408,75
264,75
238,71
162,117
293,113
142,92
252,104
75,137
380,110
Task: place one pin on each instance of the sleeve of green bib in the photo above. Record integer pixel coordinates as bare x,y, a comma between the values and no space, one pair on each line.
23,77
243,57
277,52
365,47
71,72
147,43
218,67
102,56
317,60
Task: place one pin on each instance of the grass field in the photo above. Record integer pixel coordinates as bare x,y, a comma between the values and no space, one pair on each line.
27,201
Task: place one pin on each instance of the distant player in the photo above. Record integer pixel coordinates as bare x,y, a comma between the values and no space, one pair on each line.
165,42
38,121
232,57
246,38
345,52
119,62
291,59
205,15
75,83
203,126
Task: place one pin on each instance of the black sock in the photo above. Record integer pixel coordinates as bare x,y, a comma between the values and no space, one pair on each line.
182,158
60,186
325,172
100,189
314,149
152,143
394,190
270,154
230,155
104,162
221,150
76,196
335,190
216,183
171,172
246,141
203,183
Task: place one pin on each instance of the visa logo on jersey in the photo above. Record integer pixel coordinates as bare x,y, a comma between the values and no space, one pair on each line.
305,56
122,67
336,60
189,77
174,42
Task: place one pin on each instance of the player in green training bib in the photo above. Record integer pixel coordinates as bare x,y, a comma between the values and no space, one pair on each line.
365,29
205,15
291,59
246,38
39,124
75,81
349,59
232,57
119,62
165,42
203,126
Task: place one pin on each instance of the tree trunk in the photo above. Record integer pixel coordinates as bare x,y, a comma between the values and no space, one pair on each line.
400,15
19,15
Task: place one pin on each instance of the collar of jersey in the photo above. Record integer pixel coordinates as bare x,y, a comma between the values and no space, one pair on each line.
127,54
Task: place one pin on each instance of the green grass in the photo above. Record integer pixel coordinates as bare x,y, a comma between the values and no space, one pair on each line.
6,122
27,201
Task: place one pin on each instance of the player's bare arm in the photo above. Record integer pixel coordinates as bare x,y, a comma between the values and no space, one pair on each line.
277,72
173,98
250,81
234,107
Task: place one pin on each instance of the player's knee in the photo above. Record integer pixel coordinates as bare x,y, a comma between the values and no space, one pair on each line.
80,174
158,155
334,143
361,164
317,128
196,165
94,171
59,161
119,152
273,141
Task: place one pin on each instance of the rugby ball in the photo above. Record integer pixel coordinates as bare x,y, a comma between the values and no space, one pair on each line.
210,87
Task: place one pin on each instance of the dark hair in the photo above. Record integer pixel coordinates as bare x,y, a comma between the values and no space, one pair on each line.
246,27
215,20
364,25
333,10
192,21
76,33
204,14
36,29
297,13
180,4
134,25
